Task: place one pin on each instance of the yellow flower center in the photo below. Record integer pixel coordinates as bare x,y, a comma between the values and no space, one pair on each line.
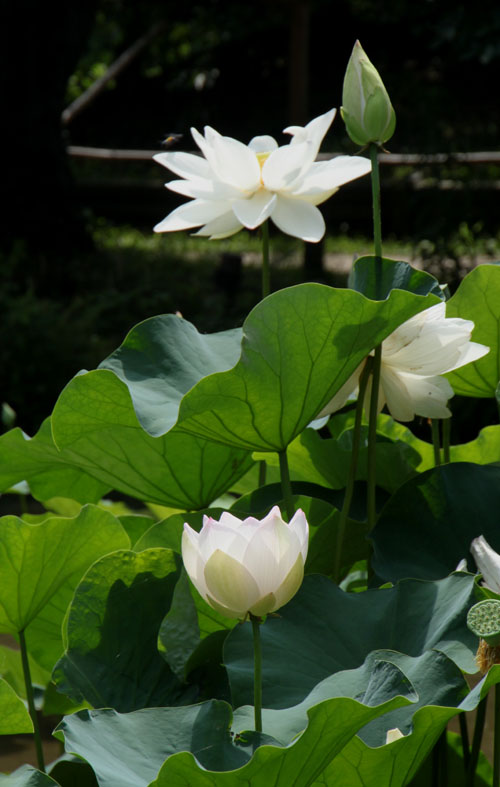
261,157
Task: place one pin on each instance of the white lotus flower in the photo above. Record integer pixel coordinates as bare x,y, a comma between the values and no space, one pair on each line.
247,566
413,358
488,562
237,185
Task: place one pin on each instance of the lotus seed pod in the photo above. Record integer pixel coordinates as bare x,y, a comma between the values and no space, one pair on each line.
483,620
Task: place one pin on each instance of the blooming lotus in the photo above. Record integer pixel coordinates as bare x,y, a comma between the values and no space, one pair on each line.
246,566
236,185
413,358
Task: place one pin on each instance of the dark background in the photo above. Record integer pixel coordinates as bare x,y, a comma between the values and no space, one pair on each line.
246,69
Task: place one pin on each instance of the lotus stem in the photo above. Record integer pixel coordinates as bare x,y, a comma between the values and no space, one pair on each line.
377,223
446,429
262,472
266,277
31,702
286,486
436,441
257,675
464,734
353,465
372,441
496,740
476,741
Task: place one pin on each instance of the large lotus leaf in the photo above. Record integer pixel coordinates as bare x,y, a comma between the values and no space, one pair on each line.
94,418
14,718
48,471
478,299
299,346
394,765
331,724
127,750
11,670
375,277
162,358
168,534
40,567
328,630
27,776
112,657
426,528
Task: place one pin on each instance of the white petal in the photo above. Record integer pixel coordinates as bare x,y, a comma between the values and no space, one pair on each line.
192,560
186,165
236,164
215,535
487,561
470,353
300,526
252,212
221,227
192,214
314,131
203,188
428,395
326,176
298,218
284,166
230,583
204,144
396,394
229,520
263,144
290,584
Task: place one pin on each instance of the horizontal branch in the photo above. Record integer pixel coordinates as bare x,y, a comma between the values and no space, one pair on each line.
390,159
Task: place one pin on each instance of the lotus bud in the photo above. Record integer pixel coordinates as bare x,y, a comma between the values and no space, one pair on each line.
366,107
248,566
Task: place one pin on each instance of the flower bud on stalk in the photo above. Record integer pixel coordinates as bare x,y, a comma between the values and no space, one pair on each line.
247,567
366,107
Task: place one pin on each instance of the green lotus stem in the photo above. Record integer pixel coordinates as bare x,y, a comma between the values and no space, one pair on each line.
31,702
436,441
496,740
377,223
257,672
286,486
351,477
464,734
371,475
266,278
446,429
262,472
440,761
476,741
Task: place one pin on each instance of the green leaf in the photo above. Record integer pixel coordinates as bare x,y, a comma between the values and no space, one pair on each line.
179,632
127,750
162,358
40,567
11,670
48,471
27,776
478,299
94,418
292,365
426,528
112,658
376,278
72,772
394,765
14,718
328,630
